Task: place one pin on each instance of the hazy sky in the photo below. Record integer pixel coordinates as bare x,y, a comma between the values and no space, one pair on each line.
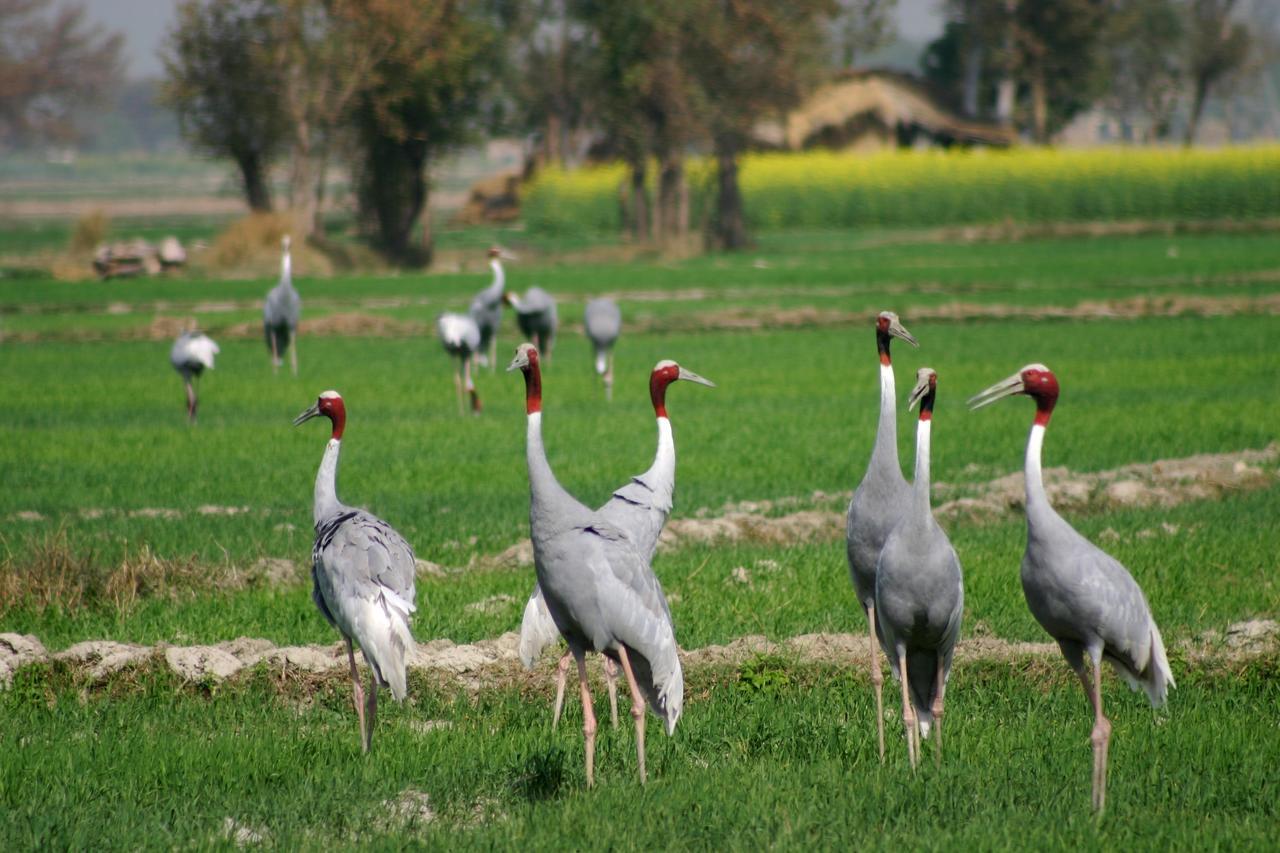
144,23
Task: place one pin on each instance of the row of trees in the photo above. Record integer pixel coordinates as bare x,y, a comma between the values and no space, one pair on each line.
1042,62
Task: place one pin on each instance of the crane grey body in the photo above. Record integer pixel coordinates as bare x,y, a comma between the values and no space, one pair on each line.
280,315
920,595
1082,596
598,587
640,507
192,352
602,322
878,504
363,578
536,317
486,309
460,337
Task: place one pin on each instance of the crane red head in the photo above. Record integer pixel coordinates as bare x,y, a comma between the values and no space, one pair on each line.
1035,381
329,404
888,326
664,373
526,361
924,392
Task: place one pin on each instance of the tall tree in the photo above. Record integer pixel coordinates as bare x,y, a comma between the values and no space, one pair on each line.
751,58
1143,51
53,68
861,26
219,58
1218,46
422,95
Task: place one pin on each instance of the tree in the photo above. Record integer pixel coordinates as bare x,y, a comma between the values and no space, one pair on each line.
861,26
52,69
1218,46
750,58
1143,51
422,95
218,59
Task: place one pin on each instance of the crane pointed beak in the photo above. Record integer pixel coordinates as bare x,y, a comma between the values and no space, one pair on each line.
520,362
1003,388
900,331
693,377
307,415
925,382
507,256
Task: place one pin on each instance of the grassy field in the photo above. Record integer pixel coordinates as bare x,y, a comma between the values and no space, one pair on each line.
101,472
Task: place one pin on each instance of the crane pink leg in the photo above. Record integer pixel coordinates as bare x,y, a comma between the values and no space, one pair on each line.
370,711
608,379
457,388
877,679
275,355
611,682
293,354
909,720
562,675
358,693
469,384
637,708
937,710
588,722
1101,735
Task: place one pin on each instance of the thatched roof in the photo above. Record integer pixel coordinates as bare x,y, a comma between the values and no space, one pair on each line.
892,101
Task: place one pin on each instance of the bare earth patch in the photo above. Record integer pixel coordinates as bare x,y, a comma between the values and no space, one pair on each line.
495,662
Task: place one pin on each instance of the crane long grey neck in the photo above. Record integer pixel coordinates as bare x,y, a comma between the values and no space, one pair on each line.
499,278
543,485
1037,500
886,449
326,499
664,460
286,268
920,486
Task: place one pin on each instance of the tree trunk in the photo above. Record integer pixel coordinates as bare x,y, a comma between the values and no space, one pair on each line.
302,186
729,227
392,194
972,61
257,191
1039,104
673,201
637,212
1198,99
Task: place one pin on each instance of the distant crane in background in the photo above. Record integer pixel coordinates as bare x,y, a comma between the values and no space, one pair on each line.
486,308
536,317
920,594
460,338
280,314
879,503
363,576
1081,595
640,508
192,352
602,322
599,588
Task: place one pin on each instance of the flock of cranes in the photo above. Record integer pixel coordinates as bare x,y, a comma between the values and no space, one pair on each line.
595,586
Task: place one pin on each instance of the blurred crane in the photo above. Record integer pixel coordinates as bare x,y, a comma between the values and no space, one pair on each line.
460,338
1081,595
536,317
920,594
486,309
280,314
191,353
363,575
599,589
879,503
602,322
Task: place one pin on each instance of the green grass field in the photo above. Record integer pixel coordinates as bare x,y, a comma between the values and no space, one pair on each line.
100,470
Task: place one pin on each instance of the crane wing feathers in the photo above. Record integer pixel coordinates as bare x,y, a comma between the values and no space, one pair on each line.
369,558
537,629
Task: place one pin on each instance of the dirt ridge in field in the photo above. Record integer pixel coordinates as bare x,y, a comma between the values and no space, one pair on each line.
742,318
495,662
1166,482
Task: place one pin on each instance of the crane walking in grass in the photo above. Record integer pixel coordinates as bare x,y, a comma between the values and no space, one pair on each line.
486,309
602,322
878,504
599,588
280,315
1081,595
460,337
363,575
536,317
640,507
191,354
920,594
